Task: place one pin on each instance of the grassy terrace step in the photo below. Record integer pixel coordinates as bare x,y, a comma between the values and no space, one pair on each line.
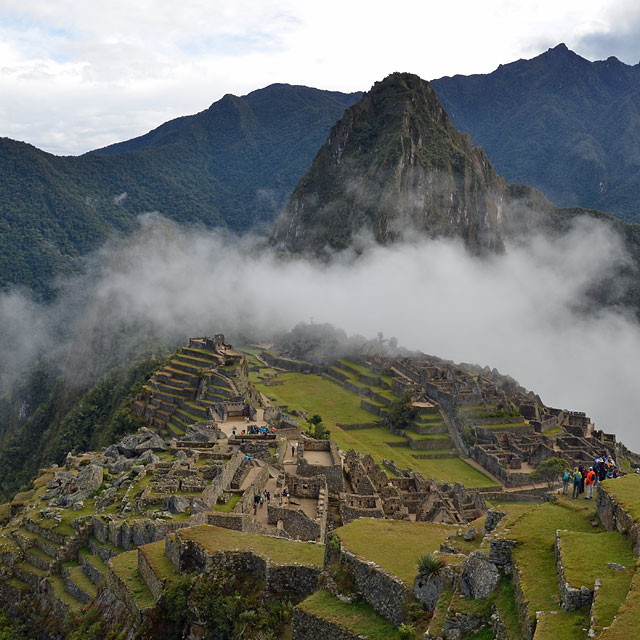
627,621
78,577
196,360
96,563
505,425
59,589
369,539
535,560
359,618
279,550
585,558
158,561
125,567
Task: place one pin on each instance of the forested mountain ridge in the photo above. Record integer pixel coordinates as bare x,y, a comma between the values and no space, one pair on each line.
232,165
558,122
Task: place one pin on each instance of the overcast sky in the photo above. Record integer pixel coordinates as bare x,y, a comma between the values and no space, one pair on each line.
79,74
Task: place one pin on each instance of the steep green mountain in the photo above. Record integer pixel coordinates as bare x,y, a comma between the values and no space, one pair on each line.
395,167
560,123
232,165
395,164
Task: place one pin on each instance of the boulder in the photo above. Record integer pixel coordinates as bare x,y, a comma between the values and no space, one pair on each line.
177,504
471,534
492,520
479,576
137,443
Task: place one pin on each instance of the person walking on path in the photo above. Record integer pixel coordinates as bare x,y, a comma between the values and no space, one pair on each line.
589,481
577,477
293,450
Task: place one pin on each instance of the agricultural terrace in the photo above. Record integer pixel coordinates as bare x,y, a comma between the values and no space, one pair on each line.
534,556
358,618
279,550
315,394
585,558
395,545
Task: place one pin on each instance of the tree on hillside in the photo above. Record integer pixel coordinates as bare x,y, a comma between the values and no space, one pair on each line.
549,471
317,429
401,412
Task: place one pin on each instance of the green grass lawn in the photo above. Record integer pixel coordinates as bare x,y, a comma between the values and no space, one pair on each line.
395,545
278,550
358,618
314,394
229,505
534,556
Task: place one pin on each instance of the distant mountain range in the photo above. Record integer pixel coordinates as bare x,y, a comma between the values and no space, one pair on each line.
560,123
232,165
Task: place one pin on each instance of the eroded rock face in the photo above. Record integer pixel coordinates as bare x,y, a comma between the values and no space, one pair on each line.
479,576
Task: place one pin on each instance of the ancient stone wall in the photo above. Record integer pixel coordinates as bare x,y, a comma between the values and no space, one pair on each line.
615,518
292,579
308,627
384,592
295,522
291,365
245,504
154,582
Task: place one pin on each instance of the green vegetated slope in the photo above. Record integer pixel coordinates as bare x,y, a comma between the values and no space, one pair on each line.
557,122
232,165
66,418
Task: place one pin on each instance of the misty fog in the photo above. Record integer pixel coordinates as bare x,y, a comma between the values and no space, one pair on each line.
522,312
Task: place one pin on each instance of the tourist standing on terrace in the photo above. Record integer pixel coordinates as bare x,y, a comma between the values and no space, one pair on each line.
577,477
565,482
589,481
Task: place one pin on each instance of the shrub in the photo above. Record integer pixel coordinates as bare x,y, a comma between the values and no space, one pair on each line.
429,564
407,632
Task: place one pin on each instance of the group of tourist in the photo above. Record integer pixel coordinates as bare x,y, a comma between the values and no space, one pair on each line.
259,500
588,478
254,430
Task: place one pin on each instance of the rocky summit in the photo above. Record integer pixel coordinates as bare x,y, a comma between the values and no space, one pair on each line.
393,165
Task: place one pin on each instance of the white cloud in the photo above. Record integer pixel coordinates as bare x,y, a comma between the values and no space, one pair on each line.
522,312
78,75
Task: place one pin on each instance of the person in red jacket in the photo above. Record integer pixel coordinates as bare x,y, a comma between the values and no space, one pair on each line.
589,481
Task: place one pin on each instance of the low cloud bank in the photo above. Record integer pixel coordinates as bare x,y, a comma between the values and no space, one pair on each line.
523,312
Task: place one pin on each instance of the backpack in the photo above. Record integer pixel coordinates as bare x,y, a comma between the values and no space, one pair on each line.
577,476
566,477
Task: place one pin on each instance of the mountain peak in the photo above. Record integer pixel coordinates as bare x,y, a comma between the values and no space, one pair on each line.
394,164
